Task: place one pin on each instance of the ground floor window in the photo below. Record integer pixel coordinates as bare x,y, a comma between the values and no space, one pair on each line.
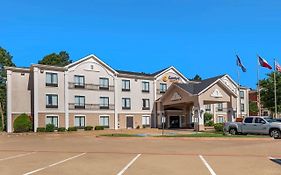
104,121
52,120
220,119
79,121
145,120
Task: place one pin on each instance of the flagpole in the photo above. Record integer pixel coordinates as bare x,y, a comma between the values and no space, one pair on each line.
239,98
275,96
258,89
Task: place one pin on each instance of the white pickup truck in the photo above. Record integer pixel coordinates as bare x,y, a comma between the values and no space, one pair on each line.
255,125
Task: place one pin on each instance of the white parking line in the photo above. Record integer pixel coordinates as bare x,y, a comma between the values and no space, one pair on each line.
40,169
129,164
207,165
16,156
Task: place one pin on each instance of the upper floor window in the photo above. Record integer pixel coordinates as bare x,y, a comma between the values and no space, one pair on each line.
104,103
51,101
125,85
220,106
126,103
51,79
145,104
79,81
242,94
208,107
104,83
163,87
80,102
242,107
145,86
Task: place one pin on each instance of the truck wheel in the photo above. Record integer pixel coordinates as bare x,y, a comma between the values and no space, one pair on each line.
275,133
232,131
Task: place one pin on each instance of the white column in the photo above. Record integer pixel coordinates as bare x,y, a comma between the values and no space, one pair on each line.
154,99
66,108
35,96
116,101
9,101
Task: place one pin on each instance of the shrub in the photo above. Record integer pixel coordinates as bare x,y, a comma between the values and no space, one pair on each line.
22,123
210,123
50,128
1,129
138,127
207,117
61,129
88,128
99,128
218,127
41,129
72,128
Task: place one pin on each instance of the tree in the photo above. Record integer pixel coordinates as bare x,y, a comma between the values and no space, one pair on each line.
5,60
61,59
267,92
197,78
253,108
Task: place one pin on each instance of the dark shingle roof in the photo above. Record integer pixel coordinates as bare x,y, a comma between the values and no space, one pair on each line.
197,87
141,73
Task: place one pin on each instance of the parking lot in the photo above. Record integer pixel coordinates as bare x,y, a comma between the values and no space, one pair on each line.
85,153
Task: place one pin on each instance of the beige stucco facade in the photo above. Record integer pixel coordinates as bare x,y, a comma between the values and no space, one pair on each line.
29,91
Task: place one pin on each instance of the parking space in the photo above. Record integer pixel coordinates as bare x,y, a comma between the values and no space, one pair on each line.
89,155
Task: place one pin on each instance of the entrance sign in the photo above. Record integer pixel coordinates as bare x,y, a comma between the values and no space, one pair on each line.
163,119
216,94
176,96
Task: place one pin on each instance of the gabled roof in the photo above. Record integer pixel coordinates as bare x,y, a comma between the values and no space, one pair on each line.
134,73
89,57
161,72
198,87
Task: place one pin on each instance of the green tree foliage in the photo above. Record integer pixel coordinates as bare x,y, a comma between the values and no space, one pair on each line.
53,59
5,60
22,123
267,91
197,78
253,108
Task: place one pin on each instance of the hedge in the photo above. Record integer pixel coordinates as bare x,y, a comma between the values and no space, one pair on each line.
218,127
50,128
88,128
1,129
72,129
41,129
61,129
22,123
99,128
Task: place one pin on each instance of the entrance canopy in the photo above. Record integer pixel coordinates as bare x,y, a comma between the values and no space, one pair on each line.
192,96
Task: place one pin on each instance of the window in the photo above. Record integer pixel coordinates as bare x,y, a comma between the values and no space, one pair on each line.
104,83
259,120
145,86
242,107
163,87
248,120
207,107
220,119
241,94
104,121
145,104
52,120
51,101
126,103
145,120
104,103
125,85
51,79
220,106
79,81
79,121
80,102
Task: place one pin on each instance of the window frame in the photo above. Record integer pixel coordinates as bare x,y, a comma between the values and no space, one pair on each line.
80,116
100,119
242,96
144,100
101,85
126,102
147,120
52,117
52,83
78,105
48,105
125,88
145,84
102,106
220,107
79,84
163,85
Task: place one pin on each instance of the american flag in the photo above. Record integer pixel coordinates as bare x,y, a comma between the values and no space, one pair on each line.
277,67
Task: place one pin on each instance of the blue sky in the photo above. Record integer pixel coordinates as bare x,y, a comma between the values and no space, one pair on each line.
196,36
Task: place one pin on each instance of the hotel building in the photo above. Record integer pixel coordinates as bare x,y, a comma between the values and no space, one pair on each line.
90,92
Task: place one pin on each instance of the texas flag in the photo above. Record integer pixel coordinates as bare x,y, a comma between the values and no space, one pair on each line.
264,63
277,67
